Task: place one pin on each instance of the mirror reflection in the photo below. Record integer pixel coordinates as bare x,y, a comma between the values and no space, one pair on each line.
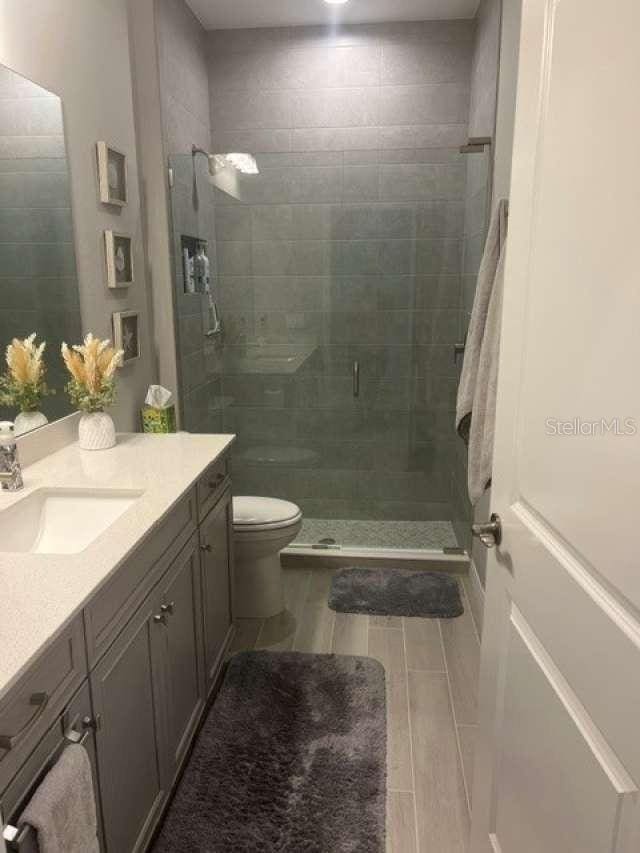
38,278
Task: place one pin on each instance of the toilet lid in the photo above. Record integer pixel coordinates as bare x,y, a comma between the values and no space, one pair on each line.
250,511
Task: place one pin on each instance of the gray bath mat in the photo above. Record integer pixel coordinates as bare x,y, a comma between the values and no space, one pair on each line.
395,592
292,757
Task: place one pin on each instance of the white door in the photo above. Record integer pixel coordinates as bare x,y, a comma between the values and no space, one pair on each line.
558,760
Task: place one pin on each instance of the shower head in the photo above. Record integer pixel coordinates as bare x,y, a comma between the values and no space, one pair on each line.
245,163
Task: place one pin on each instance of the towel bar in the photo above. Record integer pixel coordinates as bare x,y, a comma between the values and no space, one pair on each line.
24,839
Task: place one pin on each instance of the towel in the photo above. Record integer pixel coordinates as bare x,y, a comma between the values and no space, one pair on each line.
63,808
475,409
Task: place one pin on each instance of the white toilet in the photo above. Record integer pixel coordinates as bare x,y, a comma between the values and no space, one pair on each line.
262,527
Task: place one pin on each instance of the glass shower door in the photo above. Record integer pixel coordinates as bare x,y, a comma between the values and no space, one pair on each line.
339,289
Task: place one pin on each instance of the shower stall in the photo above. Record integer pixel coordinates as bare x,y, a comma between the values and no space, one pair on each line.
326,327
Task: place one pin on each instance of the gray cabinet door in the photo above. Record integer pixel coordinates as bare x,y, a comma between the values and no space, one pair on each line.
182,653
128,694
216,562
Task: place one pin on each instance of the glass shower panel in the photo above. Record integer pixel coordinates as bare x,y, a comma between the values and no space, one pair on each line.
199,345
338,279
340,283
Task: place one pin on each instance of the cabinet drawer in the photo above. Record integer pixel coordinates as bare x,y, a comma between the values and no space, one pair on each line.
112,607
28,709
211,485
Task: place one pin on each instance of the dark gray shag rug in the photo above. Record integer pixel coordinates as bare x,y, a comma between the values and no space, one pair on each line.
291,757
395,592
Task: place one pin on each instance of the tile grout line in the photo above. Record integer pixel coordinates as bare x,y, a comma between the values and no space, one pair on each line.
413,772
305,601
426,671
455,722
473,619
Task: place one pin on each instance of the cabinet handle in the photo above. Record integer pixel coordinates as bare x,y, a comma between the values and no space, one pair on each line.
167,608
40,700
207,548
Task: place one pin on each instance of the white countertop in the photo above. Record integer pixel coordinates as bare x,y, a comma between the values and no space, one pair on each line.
41,593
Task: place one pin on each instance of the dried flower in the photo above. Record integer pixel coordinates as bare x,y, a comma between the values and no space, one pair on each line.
92,366
23,385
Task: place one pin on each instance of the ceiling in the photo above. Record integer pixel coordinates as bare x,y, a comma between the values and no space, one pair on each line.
225,14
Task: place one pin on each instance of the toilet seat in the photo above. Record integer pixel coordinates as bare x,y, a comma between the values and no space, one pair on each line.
251,513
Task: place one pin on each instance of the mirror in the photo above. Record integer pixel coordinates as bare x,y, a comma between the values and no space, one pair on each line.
38,278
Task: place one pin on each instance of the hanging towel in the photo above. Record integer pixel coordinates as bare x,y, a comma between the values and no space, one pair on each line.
475,409
63,808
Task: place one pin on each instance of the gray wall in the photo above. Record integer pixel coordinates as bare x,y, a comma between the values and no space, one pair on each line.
505,117
479,170
80,51
184,87
38,283
348,245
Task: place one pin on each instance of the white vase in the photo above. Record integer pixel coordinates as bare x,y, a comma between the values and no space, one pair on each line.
26,421
96,431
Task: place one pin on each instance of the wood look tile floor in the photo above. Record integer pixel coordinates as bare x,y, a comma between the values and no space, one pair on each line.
432,672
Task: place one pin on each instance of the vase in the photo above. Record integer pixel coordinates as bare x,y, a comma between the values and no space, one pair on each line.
96,431
26,421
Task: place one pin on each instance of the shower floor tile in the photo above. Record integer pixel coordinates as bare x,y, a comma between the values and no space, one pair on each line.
356,533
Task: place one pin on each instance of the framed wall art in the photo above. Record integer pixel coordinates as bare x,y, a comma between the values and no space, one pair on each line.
118,250
112,175
126,334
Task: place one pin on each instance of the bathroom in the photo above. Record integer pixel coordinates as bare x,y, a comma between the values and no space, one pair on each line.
287,539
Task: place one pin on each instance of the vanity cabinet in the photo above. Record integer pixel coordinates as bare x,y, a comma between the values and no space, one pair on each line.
155,634
127,694
216,561
178,625
28,710
149,689
69,726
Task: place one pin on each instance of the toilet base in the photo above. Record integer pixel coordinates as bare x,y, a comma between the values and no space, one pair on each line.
259,589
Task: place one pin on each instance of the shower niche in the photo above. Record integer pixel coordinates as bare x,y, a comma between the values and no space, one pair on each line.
196,266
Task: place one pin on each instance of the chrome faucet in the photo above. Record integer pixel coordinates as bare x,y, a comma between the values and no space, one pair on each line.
10,470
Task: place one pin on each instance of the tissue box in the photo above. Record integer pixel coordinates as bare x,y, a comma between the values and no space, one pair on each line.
158,420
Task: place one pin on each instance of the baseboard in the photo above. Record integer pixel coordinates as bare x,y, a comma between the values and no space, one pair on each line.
475,593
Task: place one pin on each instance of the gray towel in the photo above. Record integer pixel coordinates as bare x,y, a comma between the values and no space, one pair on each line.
475,409
63,808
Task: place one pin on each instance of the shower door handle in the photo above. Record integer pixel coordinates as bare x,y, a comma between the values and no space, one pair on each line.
356,378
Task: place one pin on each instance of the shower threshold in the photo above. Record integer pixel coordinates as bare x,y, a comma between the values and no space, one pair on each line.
339,542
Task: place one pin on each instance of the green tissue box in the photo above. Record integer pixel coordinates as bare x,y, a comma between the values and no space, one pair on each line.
158,420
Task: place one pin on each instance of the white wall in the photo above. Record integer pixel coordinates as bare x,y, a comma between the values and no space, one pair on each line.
80,51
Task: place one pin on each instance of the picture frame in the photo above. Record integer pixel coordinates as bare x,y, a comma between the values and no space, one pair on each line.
118,251
112,175
126,334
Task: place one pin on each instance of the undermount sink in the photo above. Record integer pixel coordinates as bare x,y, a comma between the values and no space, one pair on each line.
61,521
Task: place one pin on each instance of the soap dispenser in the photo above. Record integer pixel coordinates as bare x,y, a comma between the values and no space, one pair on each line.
10,472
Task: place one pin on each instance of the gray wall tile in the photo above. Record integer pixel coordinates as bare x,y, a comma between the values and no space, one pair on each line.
354,231
422,181
422,62
335,107
441,103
